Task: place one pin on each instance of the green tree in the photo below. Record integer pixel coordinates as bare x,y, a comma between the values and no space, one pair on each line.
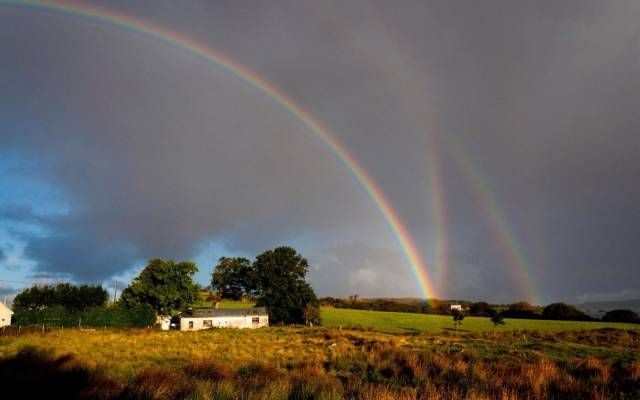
281,286
481,309
562,311
233,278
166,286
621,316
66,295
458,316
497,319
521,309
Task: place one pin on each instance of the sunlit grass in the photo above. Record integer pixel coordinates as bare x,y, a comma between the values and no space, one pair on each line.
406,322
287,362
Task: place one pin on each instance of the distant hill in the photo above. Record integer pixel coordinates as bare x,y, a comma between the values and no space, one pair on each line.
597,309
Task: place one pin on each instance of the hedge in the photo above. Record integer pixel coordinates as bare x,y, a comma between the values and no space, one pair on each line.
139,316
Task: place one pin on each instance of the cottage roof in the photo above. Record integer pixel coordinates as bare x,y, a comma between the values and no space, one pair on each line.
223,312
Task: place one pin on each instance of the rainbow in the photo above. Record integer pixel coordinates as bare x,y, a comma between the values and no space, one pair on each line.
499,225
189,46
481,190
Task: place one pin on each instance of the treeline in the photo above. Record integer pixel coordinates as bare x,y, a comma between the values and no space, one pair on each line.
117,317
276,280
378,305
70,305
519,310
66,295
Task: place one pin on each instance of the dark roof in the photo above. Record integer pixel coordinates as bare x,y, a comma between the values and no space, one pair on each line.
223,312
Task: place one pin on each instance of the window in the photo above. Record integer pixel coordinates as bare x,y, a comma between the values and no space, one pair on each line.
255,320
207,323
190,324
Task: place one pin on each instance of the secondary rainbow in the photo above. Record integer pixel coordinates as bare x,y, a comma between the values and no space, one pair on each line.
198,50
504,234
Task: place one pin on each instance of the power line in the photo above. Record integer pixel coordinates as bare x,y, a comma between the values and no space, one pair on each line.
5,280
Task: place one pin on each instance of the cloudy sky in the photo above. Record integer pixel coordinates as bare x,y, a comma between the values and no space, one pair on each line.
504,134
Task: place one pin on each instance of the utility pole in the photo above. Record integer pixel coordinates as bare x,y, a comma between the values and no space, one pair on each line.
115,290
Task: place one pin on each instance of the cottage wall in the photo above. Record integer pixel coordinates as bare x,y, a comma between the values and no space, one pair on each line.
198,323
5,315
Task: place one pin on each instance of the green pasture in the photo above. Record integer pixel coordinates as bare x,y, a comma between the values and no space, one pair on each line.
406,322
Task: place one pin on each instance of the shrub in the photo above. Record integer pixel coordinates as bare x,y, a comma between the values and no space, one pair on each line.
621,316
562,311
121,317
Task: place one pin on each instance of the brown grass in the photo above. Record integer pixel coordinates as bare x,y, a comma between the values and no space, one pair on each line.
299,363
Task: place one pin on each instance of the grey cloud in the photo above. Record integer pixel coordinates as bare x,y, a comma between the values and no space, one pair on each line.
343,271
158,152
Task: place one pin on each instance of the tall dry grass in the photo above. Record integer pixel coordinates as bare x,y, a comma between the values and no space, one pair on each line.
298,363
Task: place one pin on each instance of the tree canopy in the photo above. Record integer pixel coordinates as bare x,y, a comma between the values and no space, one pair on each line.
164,285
69,296
521,309
562,311
481,309
281,286
621,316
233,278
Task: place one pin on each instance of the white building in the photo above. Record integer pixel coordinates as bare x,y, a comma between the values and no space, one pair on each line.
5,315
207,318
457,307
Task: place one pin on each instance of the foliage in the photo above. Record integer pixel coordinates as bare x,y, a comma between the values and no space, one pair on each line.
497,319
233,278
72,297
281,286
458,317
420,307
166,286
521,310
564,312
137,316
481,309
312,314
621,316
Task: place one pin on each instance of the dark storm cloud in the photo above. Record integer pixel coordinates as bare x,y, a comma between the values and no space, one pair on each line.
8,291
160,152
157,152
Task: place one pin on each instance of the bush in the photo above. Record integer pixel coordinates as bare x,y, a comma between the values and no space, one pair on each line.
72,297
120,317
522,310
481,309
562,311
621,316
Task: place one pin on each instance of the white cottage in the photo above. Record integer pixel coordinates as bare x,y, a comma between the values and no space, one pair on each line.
5,315
207,318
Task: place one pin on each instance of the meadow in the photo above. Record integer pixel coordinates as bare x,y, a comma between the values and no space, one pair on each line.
407,323
320,363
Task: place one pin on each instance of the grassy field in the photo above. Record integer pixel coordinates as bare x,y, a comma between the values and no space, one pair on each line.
319,363
355,355
405,322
